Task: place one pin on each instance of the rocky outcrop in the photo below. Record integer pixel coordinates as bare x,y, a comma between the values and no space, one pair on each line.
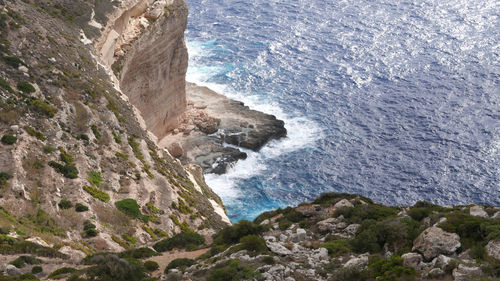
211,121
493,249
434,241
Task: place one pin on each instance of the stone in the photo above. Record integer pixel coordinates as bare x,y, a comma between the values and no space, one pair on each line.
73,254
466,273
52,60
12,270
326,225
277,248
411,259
14,128
496,215
478,211
301,234
320,254
283,237
442,261
359,262
352,229
270,238
343,203
493,249
264,222
308,210
38,240
175,149
23,68
434,241
436,272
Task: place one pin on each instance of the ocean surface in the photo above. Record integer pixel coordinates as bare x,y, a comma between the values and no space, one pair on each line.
396,100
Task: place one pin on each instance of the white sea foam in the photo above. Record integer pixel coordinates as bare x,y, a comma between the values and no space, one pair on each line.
302,133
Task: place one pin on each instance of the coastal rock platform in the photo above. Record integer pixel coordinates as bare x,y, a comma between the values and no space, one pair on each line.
214,126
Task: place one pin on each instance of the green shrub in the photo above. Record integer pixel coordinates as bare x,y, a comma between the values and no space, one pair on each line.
83,137
76,278
81,208
332,198
5,85
43,107
181,240
65,204
4,177
12,61
96,132
130,239
362,212
472,230
37,134
47,149
151,266
390,269
25,87
337,247
62,271
111,267
95,178
232,271
89,229
8,139
268,260
181,264
233,234
253,243
18,262
36,269
96,193
130,208
69,170
138,253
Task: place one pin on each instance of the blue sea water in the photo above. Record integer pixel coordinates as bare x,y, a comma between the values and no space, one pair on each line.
396,100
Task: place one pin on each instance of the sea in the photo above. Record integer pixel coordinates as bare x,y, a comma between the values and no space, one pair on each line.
398,101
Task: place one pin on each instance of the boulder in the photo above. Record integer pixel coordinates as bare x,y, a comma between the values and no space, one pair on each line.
352,229
493,249
277,248
12,270
343,203
301,234
175,149
411,259
326,225
435,272
466,273
74,255
496,215
434,241
359,262
441,261
478,211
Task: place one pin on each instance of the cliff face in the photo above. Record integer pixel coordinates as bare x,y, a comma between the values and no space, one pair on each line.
145,45
77,166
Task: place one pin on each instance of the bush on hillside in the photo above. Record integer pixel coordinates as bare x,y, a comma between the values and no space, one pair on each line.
8,139
181,240
181,264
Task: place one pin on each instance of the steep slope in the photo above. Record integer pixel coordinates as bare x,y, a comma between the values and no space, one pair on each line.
75,139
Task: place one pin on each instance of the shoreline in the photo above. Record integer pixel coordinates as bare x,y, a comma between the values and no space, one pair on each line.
210,122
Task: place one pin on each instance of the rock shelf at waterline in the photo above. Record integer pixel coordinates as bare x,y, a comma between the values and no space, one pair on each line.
211,123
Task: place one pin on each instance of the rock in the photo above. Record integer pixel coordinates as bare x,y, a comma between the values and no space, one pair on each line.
12,270
308,210
289,279
466,273
493,249
436,272
264,222
23,68
283,237
326,225
434,241
343,203
320,254
52,60
14,128
270,238
478,211
352,229
358,262
277,248
73,254
175,149
442,261
38,240
496,215
465,255
411,259
301,234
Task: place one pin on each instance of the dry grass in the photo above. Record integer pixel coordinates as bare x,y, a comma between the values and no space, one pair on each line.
110,215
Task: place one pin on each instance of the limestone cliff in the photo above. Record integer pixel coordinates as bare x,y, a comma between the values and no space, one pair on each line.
77,166
145,45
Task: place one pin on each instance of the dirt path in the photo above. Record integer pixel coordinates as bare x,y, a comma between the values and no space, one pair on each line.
167,257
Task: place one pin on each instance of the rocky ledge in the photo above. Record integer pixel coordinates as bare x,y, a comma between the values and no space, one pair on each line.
212,121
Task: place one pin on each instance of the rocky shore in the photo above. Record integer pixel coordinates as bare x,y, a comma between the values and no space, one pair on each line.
211,122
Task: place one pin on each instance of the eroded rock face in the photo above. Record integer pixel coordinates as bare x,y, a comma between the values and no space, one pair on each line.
434,241
493,249
154,70
478,211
